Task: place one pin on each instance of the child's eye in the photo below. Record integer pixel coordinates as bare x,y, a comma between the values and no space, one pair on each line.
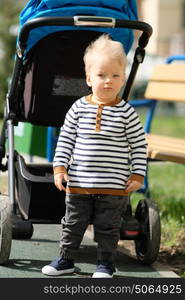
115,75
100,75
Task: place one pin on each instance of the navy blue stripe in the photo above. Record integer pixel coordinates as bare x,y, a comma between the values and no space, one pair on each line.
101,150
61,154
142,146
70,127
88,177
66,142
135,131
73,124
101,172
139,141
105,138
98,183
105,130
104,145
63,147
97,161
62,138
107,156
102,124
74,118
138,164
134,125
103,167
134,155
115,121
115,115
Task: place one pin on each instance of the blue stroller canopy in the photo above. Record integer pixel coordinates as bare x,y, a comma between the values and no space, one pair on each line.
118,9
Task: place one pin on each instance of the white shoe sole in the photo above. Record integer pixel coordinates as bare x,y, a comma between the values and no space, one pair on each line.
101,275
51,271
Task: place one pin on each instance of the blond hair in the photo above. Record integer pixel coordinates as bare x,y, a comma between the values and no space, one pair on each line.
104,45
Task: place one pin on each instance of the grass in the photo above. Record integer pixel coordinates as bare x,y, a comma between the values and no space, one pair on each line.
170,125
167,188
166,182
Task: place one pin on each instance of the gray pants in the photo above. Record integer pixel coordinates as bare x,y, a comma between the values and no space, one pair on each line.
104,212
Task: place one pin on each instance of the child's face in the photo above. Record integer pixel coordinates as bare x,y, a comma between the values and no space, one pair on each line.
106,77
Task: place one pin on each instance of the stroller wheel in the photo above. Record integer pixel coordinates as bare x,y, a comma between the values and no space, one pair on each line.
5,229
21,229
147,247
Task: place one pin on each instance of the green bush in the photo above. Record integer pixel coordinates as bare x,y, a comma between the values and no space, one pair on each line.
167,188
9,14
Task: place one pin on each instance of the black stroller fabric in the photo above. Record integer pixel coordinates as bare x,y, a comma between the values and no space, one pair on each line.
54,77
38,199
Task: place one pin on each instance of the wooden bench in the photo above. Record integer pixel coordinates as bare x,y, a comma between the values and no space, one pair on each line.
167,83
166,148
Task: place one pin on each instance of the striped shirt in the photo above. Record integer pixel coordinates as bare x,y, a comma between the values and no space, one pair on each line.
101,146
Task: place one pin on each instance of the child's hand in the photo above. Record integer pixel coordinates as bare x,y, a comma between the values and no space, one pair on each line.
59,178
133,185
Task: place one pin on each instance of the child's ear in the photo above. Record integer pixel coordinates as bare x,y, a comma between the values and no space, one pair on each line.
88,80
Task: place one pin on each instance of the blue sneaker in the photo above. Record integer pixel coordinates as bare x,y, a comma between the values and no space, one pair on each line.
59,266
104,270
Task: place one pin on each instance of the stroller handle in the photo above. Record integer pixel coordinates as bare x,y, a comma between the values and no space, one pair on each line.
83,21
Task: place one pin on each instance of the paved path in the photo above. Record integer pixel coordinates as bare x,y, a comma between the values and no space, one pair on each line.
29,256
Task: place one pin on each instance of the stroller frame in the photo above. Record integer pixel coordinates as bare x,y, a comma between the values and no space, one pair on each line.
140,227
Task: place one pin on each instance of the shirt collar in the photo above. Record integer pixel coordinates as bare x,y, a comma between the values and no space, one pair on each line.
90,100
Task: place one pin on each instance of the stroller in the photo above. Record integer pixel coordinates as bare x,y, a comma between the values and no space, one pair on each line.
48,77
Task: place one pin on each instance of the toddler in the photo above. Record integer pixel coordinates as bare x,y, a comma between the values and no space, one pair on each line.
101,154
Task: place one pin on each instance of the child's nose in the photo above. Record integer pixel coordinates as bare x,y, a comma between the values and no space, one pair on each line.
107,79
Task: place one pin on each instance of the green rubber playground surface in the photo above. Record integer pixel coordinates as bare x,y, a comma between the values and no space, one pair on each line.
29,256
